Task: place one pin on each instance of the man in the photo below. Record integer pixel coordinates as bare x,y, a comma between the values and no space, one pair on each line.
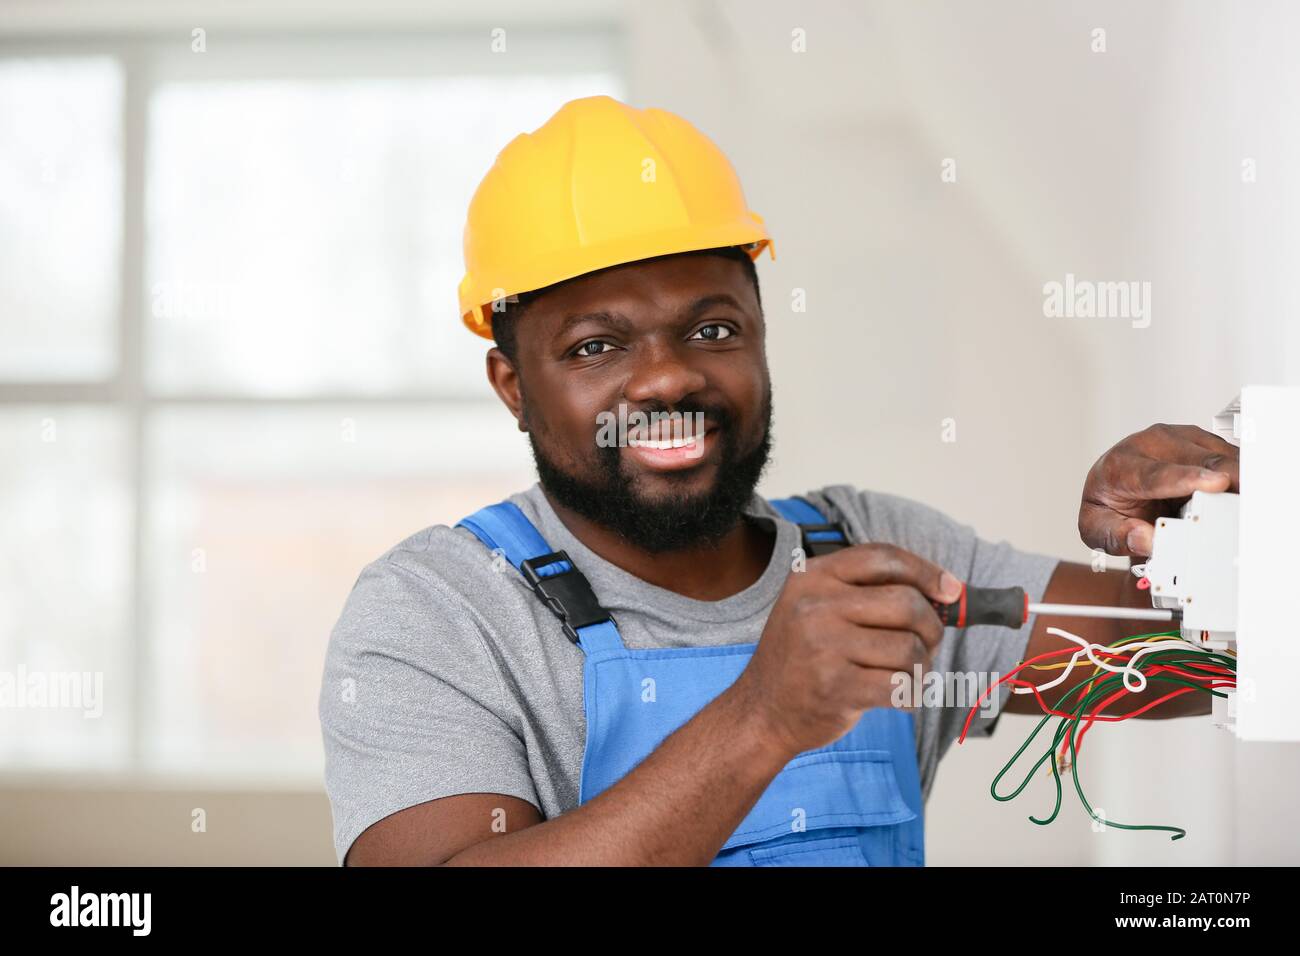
711,697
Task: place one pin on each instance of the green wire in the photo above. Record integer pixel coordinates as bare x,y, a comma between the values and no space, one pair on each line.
1178,832
1104,684
1102,690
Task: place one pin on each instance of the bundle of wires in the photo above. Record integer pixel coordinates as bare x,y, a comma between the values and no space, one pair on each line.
1119,669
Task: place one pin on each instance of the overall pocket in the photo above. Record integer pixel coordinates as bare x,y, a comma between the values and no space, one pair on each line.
826,808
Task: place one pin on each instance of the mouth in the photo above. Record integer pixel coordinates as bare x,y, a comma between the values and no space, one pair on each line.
675,453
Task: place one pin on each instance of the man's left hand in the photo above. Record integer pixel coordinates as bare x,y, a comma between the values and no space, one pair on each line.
1147,476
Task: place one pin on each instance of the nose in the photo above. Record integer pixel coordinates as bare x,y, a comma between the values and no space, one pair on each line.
663,373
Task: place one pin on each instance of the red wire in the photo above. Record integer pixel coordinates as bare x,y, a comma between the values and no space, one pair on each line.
1208,675
1158,668
1182,690
1012,673
1216,669
1078,744
1097,715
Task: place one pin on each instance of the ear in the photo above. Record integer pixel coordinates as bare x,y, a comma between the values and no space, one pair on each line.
504,379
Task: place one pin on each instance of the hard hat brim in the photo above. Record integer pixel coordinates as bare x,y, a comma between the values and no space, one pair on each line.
476,299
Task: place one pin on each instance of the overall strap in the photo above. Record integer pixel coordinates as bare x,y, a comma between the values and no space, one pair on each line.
819,536
551,575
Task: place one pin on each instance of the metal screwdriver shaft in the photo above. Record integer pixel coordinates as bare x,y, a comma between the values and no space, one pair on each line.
1010,607
1098,610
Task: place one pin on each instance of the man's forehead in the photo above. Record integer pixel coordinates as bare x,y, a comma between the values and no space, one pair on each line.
669,286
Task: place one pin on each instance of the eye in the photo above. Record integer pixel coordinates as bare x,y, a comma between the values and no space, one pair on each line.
583,349
719,332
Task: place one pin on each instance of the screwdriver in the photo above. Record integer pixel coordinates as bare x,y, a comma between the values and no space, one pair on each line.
1010,607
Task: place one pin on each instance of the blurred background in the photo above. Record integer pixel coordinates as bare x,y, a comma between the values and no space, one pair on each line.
232,370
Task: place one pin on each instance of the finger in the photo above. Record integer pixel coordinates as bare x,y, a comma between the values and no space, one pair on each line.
893,650
892,606
1223,456
1147,479
1205,439
1138,538
888,564
1225,464
1113,532
878,687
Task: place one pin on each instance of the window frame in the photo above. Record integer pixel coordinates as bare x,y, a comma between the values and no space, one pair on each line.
146,62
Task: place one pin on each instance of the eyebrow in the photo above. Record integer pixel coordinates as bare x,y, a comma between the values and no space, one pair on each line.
614,320
620,323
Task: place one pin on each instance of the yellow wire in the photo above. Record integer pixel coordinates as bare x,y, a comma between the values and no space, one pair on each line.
1128,640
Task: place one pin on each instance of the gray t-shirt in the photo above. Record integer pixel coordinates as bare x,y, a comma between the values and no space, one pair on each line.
446,675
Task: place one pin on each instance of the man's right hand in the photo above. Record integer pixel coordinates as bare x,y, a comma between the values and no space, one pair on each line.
836,636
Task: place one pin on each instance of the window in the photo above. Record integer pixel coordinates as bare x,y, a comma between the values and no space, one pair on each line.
60,217
232,369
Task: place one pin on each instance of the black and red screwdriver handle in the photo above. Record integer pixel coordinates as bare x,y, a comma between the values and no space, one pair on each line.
1005,607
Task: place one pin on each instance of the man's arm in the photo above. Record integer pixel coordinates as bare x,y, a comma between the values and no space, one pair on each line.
1079,584
676,808
1147,475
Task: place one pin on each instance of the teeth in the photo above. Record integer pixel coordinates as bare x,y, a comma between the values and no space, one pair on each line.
661,444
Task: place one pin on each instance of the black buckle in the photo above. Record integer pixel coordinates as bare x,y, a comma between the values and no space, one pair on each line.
817,548
568,594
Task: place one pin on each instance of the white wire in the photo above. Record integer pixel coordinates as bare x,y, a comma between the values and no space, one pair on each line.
1089,648
1065,672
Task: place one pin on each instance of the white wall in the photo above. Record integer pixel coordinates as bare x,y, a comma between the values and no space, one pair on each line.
925,301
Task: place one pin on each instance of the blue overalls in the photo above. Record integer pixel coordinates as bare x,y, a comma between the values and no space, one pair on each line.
854,803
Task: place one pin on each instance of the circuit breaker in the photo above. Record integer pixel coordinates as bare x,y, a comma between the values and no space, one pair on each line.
1193,570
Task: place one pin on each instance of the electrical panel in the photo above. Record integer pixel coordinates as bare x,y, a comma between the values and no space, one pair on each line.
1228,563
1268,652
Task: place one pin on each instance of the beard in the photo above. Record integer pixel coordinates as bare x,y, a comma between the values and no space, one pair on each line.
607,495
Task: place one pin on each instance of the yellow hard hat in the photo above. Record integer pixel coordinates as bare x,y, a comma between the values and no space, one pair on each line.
600,184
